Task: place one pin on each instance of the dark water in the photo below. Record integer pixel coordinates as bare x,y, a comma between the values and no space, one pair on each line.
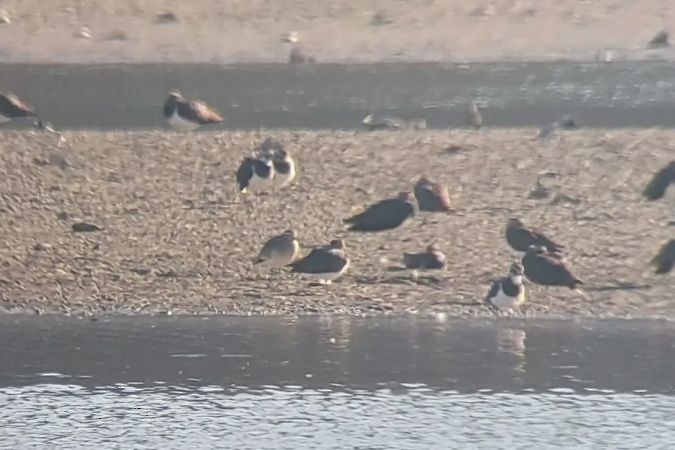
634,94
335,383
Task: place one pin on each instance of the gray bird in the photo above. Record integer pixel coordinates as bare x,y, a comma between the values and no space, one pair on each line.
520,237
665,258
431,258
432,197
657,186
280,250
544,269
508,292
384,215
325,263
188,115
13,108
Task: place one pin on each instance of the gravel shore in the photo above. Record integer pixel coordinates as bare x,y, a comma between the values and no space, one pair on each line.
176,236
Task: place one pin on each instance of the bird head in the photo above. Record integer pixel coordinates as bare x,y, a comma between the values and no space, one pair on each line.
337,243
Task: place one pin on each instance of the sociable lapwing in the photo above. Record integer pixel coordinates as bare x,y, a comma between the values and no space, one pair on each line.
508,293
255,174
188,115
11,107
432,197
431,258
657,186
544,269
665,258
323,264
520,238
280,250
384,215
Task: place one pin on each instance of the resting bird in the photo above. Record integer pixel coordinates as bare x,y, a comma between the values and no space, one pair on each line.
284,168
13,108
384,215
544,269
657,186
432,197
431,258
279,251
665,259
324,263
376,121
508,292
255,174
186,115
520,238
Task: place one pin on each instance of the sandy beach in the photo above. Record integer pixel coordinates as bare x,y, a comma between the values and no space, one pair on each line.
214,31
177,236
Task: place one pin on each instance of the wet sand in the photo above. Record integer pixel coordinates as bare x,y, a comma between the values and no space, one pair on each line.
178,238
339,96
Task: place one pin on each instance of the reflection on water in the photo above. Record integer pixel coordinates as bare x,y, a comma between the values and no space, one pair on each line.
334,383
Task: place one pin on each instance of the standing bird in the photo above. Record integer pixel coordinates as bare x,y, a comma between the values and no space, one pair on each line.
431,258
255,174
657,186
284,168
432,197
508,292
665,259
475,119
384,215
520,238
324,263
279,251
13,108
544,269
188,115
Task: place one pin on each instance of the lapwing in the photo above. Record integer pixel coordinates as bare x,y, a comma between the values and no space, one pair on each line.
432,258
384,215
474,119
11,107
432,197
188,115
324,263
657,186
280,250
665,258
508,293
284,169
255,174
520,238
546,270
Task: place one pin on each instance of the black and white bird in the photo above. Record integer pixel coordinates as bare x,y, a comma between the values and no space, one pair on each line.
544,269
11,107
665,258
325,263
255,174
508,293
431,258
657,186
520,238
284,168
188,115
280,250
384,215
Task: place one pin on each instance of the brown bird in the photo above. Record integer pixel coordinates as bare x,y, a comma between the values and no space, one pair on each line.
187,115
520,238
325,263
665,259
13,108
384,215
657,186
546,270
432,197
431,258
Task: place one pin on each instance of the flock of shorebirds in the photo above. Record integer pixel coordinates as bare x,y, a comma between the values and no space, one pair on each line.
271,167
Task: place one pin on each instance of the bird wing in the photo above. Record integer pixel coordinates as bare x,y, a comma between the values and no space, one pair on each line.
245,172
541,239
432,197
494,290
200,112
412,260
656,188
12,104
321,260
